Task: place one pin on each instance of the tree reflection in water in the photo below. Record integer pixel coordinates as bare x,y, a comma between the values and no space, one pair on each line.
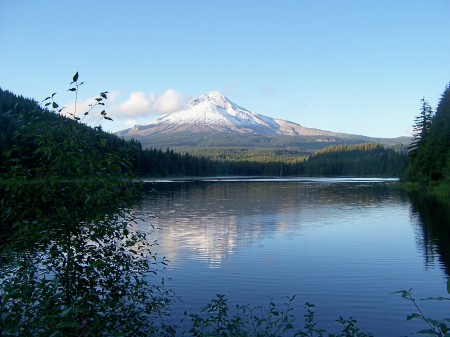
433,222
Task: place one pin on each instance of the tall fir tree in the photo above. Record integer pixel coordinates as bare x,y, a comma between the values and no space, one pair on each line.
421,127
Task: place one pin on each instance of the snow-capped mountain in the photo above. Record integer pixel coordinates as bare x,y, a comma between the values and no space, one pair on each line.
213,120
213,112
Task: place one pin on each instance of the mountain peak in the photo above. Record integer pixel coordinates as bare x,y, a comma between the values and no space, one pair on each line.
213,112
215,98
214,95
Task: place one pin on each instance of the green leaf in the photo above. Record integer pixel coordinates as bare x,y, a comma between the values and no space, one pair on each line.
54,105
68,325
5,316
108,118
405,293
75,77
66,312
412,316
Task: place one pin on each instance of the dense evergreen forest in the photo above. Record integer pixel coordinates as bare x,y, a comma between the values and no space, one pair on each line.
429,151
29,133
358,160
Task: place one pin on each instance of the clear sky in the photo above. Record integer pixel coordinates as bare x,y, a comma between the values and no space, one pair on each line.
354,66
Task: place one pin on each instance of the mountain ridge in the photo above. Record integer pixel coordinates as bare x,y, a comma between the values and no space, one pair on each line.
212,117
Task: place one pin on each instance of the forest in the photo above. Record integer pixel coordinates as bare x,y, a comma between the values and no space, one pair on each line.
429,151
29,132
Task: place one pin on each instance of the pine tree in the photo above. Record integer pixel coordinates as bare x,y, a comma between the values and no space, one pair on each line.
421,126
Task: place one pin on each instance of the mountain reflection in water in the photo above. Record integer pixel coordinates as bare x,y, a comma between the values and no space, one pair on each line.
211,219
343,245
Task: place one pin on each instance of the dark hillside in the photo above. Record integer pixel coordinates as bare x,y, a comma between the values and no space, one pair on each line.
33,140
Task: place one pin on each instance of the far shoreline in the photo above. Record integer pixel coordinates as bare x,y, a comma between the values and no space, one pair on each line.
270,179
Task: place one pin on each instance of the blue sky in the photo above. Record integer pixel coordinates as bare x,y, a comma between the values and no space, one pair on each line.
350,66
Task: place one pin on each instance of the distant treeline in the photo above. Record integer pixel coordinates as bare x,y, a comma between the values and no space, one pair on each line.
30,136
287,155
343,160
357,160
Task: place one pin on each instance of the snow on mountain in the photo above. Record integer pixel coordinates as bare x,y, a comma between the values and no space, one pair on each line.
213,112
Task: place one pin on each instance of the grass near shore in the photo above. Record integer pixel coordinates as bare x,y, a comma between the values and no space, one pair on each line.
438,190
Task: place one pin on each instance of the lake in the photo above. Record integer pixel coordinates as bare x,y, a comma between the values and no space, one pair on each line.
343,244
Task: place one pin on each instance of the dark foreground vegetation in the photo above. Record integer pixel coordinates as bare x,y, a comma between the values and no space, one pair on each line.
73,261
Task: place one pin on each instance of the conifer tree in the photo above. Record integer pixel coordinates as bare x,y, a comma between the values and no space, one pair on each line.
421,126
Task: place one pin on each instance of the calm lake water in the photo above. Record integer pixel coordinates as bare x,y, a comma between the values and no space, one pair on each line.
343,244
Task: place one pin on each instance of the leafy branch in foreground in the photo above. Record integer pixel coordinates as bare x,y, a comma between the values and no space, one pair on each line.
49,102
440,328
215,319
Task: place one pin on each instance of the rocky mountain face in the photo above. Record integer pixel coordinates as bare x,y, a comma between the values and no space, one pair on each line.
213,120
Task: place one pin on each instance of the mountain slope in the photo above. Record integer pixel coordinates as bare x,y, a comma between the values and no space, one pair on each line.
213,120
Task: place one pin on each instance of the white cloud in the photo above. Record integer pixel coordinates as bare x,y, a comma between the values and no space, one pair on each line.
169,102
130,122
139,104
79,109
136,105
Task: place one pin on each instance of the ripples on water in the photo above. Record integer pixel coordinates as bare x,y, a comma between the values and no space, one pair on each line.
343,244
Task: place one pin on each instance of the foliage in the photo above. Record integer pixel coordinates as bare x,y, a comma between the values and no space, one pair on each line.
367,159
215,319
288,155
430,151
23,123
439,328
158,163
73,260
357,160
421,126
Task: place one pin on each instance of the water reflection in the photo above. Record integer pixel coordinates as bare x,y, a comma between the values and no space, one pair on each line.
345,247
432,221
212,219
